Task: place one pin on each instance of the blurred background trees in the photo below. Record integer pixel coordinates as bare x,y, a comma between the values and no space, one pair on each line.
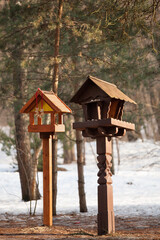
117,41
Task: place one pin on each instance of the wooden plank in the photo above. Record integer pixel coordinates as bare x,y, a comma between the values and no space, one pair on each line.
52,118
104,123
47,181
41,128
120,112
59,128
99,111
60,118
39,121
31,118
123,124
113,108
46,128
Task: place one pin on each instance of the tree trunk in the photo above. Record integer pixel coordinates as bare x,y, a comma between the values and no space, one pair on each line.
150,121
73,157
27,169
23,156
68,144
80,167
55,89
27,165
35,157
82,196
84,152
72,143
66,151
118,154
155,99
112,167
56,49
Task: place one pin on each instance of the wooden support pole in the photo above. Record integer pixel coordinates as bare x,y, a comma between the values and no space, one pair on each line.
31,118
52,118
39,121
60,118
47,179
54,173
106,220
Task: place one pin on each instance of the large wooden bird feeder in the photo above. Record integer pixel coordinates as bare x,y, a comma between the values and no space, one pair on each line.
45,111
102,104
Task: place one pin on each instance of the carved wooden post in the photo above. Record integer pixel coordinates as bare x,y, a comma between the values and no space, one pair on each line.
106,222
102,104
47,179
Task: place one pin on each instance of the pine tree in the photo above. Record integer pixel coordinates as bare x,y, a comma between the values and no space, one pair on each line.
96,37
16,89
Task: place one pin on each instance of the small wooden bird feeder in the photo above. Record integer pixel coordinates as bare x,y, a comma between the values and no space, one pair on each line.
41,104
102,104
38,107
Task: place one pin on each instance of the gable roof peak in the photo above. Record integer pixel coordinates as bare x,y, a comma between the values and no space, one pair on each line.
109,89
50,98
100,80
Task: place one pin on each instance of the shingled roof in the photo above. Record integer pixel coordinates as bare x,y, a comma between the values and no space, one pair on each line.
54,102
110,89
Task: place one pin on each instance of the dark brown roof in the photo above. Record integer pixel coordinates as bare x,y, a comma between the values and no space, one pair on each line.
109,88
50,98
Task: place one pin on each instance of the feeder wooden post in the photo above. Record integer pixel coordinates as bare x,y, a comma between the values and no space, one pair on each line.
44,102
106,222
102,104
47,179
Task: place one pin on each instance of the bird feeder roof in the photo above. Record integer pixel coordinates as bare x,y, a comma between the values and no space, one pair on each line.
50,101
110,89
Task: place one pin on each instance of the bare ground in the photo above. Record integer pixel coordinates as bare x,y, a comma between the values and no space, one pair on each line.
76,226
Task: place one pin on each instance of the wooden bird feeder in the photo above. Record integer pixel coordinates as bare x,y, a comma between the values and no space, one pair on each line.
41,104
45,111
102,104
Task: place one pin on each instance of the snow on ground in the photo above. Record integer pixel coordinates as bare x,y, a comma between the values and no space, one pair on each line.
136,184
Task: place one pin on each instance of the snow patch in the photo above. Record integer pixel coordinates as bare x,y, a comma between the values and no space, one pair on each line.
135,185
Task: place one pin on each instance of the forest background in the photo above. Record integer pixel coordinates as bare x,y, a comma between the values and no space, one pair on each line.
56,45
